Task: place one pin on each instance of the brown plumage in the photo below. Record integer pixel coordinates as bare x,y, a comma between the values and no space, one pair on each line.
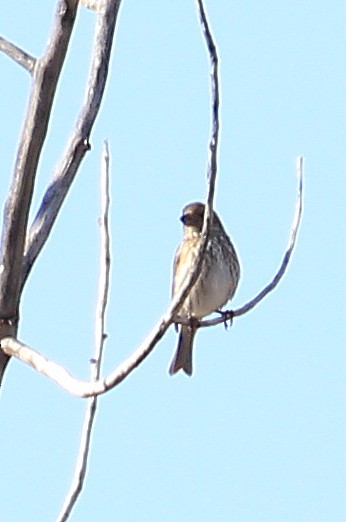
215,285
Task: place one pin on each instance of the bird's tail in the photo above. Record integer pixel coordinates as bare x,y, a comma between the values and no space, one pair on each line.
182,359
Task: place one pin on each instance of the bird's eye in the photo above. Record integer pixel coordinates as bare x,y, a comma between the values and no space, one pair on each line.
187,219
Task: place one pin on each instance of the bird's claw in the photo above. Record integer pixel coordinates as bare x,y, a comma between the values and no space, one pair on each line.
227,316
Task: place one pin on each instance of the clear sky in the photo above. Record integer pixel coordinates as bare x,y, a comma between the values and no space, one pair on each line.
259,432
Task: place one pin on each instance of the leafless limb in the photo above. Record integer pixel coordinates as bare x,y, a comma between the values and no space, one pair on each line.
79,141
192,275
63,378
50,207
46,73
284,264
16,242
85,389
18,55
100,336
56,372
215,101
35,125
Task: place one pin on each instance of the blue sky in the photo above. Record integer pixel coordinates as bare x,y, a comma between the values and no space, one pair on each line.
258,433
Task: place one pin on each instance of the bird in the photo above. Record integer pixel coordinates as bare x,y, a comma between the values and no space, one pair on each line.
215,285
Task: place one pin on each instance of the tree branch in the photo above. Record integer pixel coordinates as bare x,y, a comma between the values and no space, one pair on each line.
35,125
18,55
100,336
63,378
87,389
46,74
192,275
215,101
84,389
47,214
79,141
214,138
284,264
14,274
59,374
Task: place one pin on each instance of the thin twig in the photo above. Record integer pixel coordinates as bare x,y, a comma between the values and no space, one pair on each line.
215,101
285,261
100,336
18,55
215,127
192,275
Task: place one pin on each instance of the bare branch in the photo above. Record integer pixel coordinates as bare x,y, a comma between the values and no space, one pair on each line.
34,131
100,336
196,267
18,55
39,234
105,263
63,378
87,389
284,264
79,141
215,101
214,138
84,389
55,372
46,74
58,374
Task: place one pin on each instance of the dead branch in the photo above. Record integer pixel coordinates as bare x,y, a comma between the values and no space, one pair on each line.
87,389
18,55
283,266
46,73
192,276
215,100
84,389
100,336
16,269
79,140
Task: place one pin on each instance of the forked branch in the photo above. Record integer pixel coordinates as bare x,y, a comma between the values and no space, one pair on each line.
78,143
19,249
46,74
88,389
284,264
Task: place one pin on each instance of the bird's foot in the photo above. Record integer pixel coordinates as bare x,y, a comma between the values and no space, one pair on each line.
191,321
227,316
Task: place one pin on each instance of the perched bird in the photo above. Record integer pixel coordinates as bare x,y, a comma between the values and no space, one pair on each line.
216,283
